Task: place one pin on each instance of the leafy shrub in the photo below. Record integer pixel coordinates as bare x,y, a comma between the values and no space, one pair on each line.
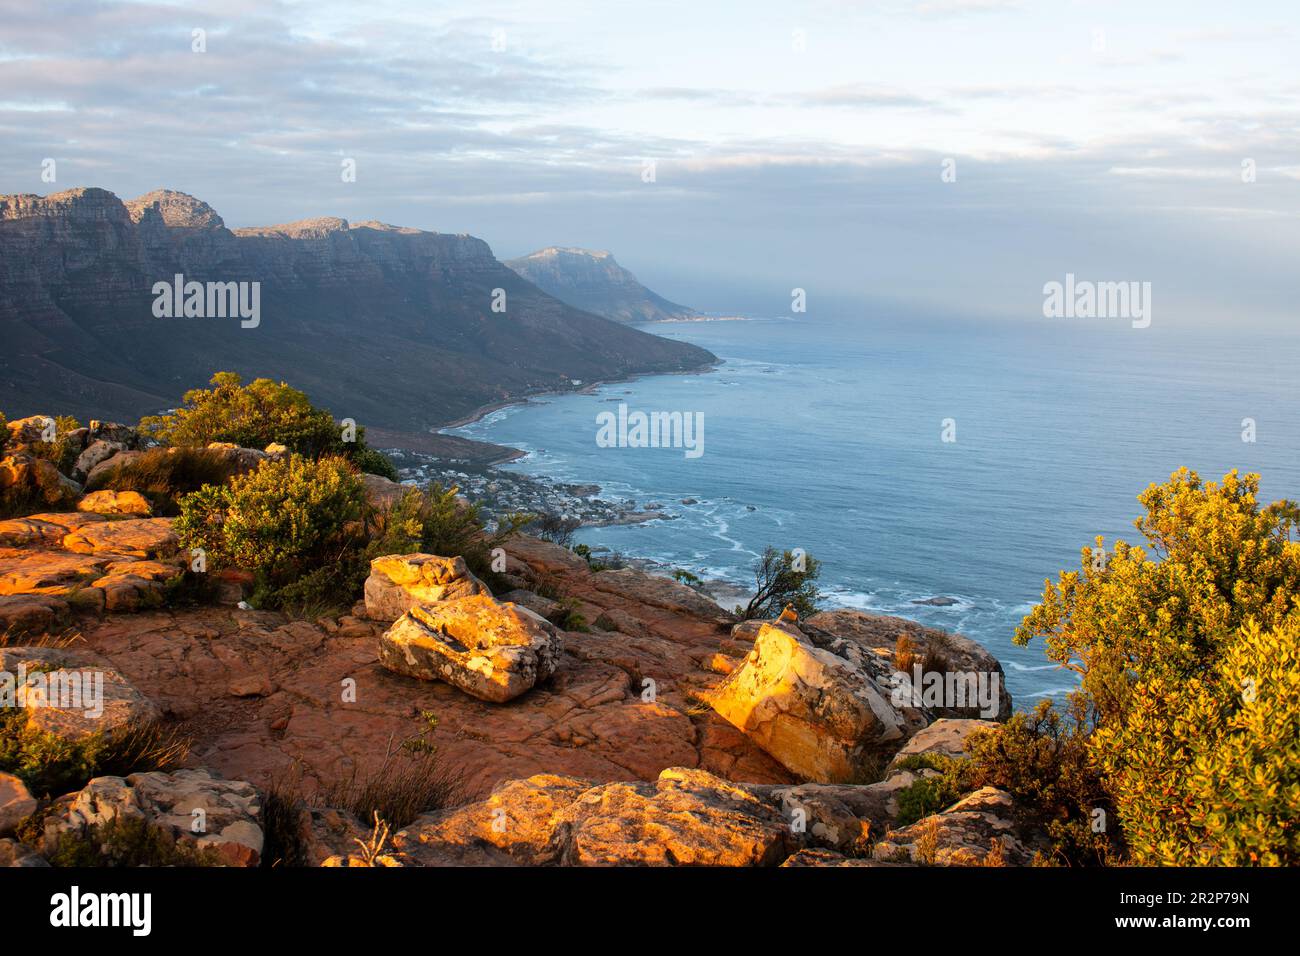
61,453
435,521
289,519
259,414
1206,772
781,580
1043,760
51,765
129,842
164,475
1188,672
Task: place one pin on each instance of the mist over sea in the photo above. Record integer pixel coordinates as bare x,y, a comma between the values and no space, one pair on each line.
827,436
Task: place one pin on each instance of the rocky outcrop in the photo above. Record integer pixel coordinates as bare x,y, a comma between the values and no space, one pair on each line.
984,828
399,582
70,693
16,803
36,482
490,650
194,806
341,303
591,280
115,503
826,717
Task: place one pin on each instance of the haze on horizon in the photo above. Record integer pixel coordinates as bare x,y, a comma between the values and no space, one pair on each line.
795,144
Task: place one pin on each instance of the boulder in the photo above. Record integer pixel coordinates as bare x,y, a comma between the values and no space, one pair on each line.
822,716
381,492
242,459
399,582
29,430
25,478
946,737
655,591
116,503
69,693
16,803
490,650
95,453
948,653
189,805
102,470
983,828
13,853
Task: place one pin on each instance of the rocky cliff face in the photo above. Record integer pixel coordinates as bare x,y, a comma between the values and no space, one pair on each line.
393,327
594,281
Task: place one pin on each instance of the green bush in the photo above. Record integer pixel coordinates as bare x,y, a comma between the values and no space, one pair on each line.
1188,673
60,452
129,842
51,765
164,475
259,414
288,520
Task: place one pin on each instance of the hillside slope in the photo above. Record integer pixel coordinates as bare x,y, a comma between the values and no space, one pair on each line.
594,281
390,326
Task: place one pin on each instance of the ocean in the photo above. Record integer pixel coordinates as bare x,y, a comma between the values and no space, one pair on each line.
829,436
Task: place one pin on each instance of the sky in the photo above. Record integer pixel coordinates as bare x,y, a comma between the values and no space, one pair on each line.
793,144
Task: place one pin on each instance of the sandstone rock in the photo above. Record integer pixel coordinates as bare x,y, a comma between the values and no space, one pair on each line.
983,828
659,592
243,459
140,537
30,613
102,470
115,503
251,685
399,582
489,650
29,430
191,805
381,492
879,635
16,803
24,477
551,610
95,453
946,736
70,694
13,853
47,529
821,715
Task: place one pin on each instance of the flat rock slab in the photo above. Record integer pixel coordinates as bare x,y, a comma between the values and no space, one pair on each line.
138,537
70,693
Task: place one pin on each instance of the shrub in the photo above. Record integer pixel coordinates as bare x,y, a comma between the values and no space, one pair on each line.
1043,760
1167,650
1206,772
129,842
61,453
435,521
164,475
289,519
51,765
259,414
782,580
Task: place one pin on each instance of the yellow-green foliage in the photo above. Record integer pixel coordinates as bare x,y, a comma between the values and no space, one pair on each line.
1206,770
289,518
1197,773
256,415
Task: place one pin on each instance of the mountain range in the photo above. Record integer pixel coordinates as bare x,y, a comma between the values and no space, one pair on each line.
594,281
394,327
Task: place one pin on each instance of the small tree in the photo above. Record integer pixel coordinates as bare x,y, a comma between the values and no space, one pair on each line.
783,578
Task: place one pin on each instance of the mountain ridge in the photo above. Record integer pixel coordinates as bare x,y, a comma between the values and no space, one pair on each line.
592,279
390,325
